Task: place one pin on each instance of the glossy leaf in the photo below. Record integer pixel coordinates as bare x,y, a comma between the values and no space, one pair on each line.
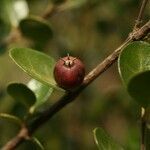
18,11
134,69
104,141
38,143
11,118
38,65
14,11
41,91
36,29
21,93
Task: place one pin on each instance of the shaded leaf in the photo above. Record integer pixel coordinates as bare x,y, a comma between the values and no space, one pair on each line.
21,93
38,65
3,47
18,10
134,69
11,118
4,30
36,28
104,141
41,91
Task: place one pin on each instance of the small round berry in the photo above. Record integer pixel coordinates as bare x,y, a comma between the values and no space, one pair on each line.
69,72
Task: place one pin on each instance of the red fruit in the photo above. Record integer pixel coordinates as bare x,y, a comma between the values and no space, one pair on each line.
69,72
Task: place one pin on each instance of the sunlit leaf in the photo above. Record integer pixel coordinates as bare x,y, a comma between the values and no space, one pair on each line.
104,141
41,91
38,65
14,10
21,93
31,143
134,69
21,11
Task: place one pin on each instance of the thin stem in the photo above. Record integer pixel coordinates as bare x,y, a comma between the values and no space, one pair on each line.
141,13
70,96
54,9
49,11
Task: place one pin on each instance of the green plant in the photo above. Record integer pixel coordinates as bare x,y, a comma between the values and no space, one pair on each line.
133,64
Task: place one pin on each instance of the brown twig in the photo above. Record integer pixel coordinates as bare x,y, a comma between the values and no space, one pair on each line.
97,71
51,9
141,13
70,96
16,141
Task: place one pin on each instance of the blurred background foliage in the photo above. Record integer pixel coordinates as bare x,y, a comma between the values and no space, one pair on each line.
90,30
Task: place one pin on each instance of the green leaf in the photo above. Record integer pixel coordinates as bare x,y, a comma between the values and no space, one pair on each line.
38,65
21,93
31,143
36,29
134,69
18,10
104,141
11,118
41,91
38,143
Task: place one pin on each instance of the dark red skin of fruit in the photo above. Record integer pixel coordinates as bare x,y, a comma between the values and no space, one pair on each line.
69,75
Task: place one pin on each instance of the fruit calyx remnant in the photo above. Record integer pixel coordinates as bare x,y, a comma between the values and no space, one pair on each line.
69,62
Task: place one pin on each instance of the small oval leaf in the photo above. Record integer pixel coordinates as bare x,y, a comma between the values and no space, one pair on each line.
11,118
104,141
41,91
38,65
36,29
134,69
21,93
